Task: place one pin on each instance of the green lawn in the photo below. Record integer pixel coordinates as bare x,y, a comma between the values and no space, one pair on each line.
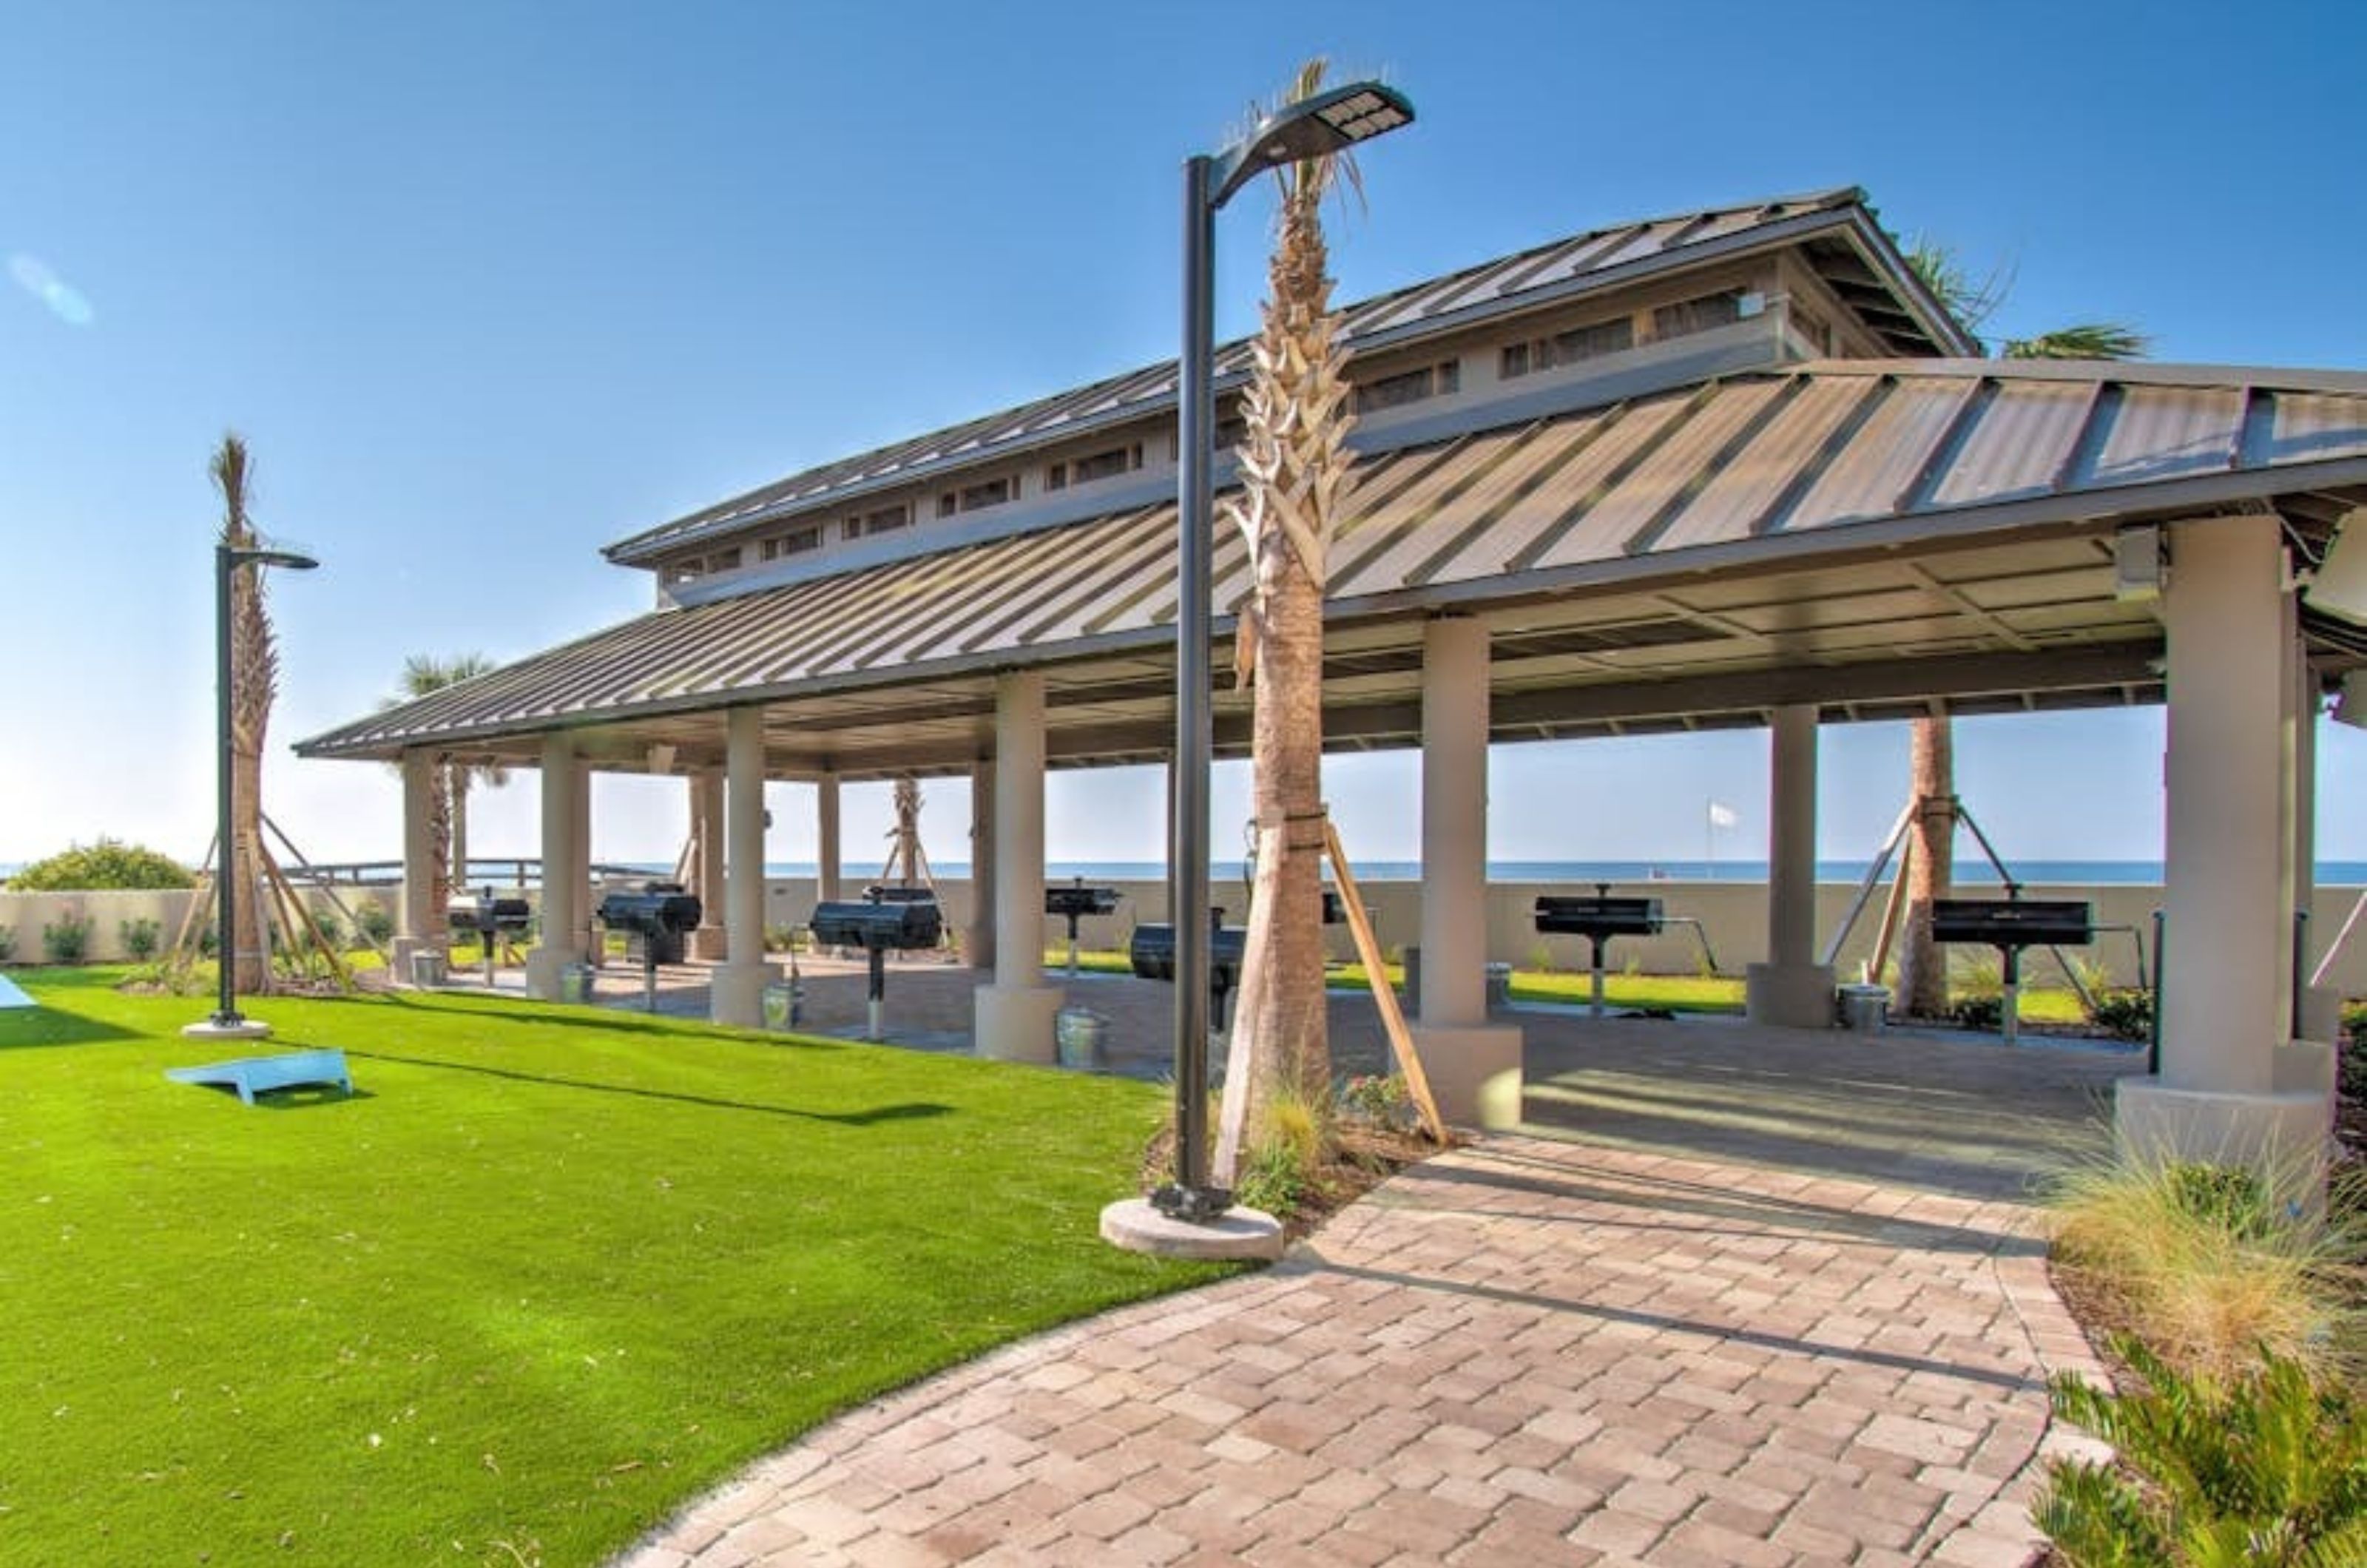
550,1273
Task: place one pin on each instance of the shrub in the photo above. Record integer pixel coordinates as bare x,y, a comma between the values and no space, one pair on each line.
8,943
1979,1012
375,922
2264,1468
67,939
1379,1099
1287,1147
333,930
2123,1013
2211,1265
141,938
107,865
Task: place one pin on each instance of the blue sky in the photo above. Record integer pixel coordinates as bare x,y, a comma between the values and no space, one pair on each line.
489,284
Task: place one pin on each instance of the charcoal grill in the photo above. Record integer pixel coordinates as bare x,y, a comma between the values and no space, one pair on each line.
1152,953
2011,924
1602,916
890,920
1072,904
654,916
497,922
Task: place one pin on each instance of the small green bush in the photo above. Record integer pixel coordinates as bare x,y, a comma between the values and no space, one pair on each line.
2230,1197
8,943
1382,1099
141,938
333,930
2268,1468
375,922
1981,1012
66,939
2124,1013
105,866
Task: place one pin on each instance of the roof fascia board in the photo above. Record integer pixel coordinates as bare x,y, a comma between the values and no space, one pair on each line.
1885,256
644,547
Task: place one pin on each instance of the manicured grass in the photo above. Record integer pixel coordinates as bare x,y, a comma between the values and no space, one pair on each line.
553,1270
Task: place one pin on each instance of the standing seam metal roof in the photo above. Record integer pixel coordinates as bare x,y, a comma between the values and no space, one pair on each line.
1745,463
1510,283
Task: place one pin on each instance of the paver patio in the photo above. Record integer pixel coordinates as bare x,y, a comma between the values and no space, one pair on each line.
1532,1350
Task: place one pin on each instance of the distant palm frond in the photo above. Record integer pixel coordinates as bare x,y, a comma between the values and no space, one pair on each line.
2086,339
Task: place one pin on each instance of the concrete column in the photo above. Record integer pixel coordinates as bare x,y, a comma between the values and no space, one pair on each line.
1014,1016
419,924
1792,989
978,939
708,940
737,987
589,942
2321,1006
1473,1066
2231,1086
555,950
826,845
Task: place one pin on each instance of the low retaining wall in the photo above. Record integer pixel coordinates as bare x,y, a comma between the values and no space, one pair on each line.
1733,915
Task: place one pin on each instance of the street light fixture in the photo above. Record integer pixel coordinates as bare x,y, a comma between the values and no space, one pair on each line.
1327,123
230,558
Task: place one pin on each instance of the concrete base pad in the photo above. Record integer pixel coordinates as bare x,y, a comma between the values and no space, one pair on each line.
1789,996
1013,1023
736,993
2321,1013
543,967
246,1029
1474,1072
2272,1132
1235,1235
709,944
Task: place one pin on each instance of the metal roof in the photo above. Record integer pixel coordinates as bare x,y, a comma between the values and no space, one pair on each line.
1870,276
1665,495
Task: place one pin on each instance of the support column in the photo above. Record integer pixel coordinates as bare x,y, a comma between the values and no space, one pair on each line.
1473,1066
589,942
419,924
1792,989
736,993
2233,1085
2321,1006
826,846
707,942
978,938
1014,1016
553,950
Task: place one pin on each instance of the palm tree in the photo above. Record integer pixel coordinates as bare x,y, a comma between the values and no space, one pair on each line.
1922,969
253,682
449,783
1293,462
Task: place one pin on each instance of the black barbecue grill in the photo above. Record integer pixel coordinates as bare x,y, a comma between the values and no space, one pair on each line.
1072,904
1153,954
1603,915
495,922
2011,924
899,920
654,918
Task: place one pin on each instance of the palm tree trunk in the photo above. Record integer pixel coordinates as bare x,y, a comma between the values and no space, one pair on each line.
1288,741
1922,966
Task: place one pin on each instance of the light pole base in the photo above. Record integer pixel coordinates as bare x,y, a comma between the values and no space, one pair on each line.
217,1028
1244,1235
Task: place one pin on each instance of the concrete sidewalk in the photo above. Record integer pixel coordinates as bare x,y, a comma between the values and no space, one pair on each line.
1526,1352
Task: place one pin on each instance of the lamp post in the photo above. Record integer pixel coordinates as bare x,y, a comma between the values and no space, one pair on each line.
230,558
1327,123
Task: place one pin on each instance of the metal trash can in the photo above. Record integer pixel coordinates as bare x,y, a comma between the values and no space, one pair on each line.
782,1004
575,983
427,967
1500,985
1076,1034
1865,1010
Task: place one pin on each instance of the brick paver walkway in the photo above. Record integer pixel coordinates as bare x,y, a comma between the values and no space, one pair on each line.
1523,1352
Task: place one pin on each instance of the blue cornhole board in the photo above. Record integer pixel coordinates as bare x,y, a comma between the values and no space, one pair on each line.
10,996
251,1076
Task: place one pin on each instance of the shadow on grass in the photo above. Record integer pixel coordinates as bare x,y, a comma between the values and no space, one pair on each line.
508,1011
906,1112
21,1028
295,1097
